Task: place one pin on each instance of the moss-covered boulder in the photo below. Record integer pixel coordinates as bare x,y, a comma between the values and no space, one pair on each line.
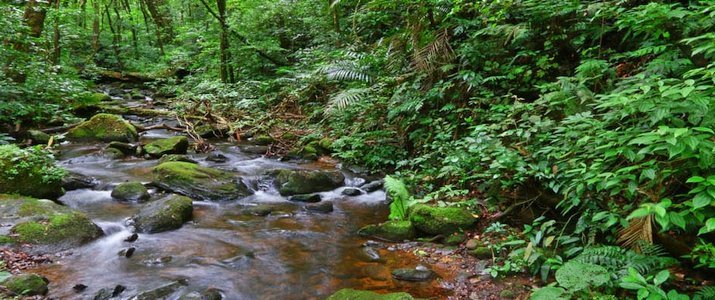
46,224
126,148
26,284
172,145
199,183
176,157
440,220
263,140
351,294
293,182
30,172
396,231
105,128
37,137
165,214
130,191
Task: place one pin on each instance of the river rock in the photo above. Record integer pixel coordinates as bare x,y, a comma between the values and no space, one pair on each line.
263,140
26,284
207,131
253,149
351,294
415,275
293,182
45,224
75,181
310,198
208,294
217,157
113,153
161,292
38,137
36,176
199,182
105,128
373,185
440,220
165,214
263,210
126,148
130,191
176,157
352,192
172,145
322,207
396,231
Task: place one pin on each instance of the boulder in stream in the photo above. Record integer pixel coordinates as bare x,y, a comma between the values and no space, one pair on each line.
440,220
415,275
165,214
322,207
76,181
294,182
30,172
176,157
45,224
199,183
172,145
26,284
104,128
161,292
351,294
37,137
130,191
126,148
396,231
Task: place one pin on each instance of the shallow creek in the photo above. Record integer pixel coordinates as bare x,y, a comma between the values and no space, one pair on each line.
293,254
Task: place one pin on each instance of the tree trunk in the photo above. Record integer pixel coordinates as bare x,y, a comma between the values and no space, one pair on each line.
95,27
35,18
224,45
56,35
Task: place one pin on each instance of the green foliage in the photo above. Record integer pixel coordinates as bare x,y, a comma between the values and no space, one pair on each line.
400,196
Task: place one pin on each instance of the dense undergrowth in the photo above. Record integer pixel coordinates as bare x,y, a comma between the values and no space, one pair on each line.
592,117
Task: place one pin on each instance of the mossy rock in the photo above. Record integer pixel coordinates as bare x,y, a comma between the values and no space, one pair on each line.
294,182
455,239
199,183
481,252
38,137
105,128
165,214
172,145
176,157
96,98
207,131
113,153
396,231
440,220
126,148
26,285
46,224
30,172
263,140
351,294
130,191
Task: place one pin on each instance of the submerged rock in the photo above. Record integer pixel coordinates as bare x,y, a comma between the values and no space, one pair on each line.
131,191
415,275
199,182
26,284
440,220
352,192
208,294
396,231
46,224
160,292
373,185
36,176
293,182
322,207
253,149
165,214
217,157
105,128
310,198
172,145
351,294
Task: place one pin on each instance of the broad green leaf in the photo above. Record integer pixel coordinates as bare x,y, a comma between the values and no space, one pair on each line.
701,200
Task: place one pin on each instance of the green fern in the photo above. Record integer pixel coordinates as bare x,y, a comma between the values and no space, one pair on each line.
400,198
346,70
707,292
618,260
346,98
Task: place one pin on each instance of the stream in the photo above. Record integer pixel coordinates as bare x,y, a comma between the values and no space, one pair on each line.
292,254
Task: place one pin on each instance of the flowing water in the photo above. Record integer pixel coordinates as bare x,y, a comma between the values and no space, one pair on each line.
291,254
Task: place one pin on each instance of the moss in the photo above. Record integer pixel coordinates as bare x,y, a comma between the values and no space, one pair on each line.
507,294
291,182
326,144
263,140
165,214
72,227
30,172
172,145
176,157
455,239
481,252
397,231
440,220
113,153
104,127
289,136
95,98
26,284
351,294
199,182
130,191
4,240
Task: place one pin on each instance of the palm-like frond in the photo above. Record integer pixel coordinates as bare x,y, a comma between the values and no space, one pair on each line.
438,51
707,292
618,259
639,231
346,70
347,98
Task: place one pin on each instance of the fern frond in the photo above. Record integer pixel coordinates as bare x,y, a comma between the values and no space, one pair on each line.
346,98
346,71
707,292
618,260
400,197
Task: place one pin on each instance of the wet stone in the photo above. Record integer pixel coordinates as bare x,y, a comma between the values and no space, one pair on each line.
311,198
352,192
322,207
217,158
373,186
414,275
